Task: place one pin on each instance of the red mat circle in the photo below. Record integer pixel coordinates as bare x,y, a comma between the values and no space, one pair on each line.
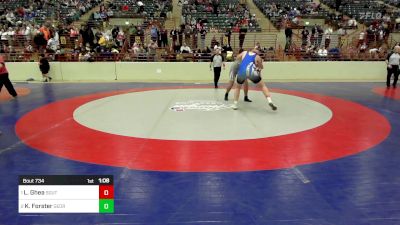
393,93
353,128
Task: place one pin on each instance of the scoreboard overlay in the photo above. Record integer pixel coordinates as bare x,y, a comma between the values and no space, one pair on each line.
66,194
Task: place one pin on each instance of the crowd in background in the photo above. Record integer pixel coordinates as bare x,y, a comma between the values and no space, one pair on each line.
20,32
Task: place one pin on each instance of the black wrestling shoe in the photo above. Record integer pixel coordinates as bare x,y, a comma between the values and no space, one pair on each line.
273,107
246,99
226,97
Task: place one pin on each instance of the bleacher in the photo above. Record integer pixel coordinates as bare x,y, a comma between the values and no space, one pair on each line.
40,12
130,8
364,11
395,3
284,7
13,5
226,18
47,10
71,13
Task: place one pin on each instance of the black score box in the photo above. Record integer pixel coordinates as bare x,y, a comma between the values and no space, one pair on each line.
66,194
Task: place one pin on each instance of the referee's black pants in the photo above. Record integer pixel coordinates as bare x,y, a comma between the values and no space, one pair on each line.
4,80
217,74
390,71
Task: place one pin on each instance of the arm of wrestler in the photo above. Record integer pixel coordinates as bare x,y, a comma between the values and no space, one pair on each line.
239,57
259,63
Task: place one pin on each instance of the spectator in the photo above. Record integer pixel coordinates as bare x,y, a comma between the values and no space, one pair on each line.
320,33
203,34
337,4
334,52
39,41
152,48
180,34
228,34
136,48
314,35
164,38
242,36
102,41
322,52
10,17
361,39
185,48
45,31
87,35
120,38
214,42
154,33
52,45
195,38
328,33
174,36
141,7
140,33
363,47
85,56
375,51
188,33
304,37
73,32
352,23
132,33
29,49
114,32
341,32
288,35
215,4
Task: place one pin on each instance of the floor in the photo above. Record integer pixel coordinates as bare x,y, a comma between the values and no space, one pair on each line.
180,155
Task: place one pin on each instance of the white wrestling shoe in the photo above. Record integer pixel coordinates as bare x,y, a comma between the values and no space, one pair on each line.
234,106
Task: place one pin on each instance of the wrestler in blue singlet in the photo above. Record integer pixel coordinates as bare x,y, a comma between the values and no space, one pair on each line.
242,74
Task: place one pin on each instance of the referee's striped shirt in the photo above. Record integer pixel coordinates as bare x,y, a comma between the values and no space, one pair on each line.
217,60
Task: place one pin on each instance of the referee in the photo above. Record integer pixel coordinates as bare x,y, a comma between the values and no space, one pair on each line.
217,61
393,61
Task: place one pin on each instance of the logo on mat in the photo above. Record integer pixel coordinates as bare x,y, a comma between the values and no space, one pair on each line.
200,105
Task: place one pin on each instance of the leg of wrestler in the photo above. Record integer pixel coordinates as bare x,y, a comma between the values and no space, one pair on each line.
232,76
246,91
267,94
237,94
228,89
